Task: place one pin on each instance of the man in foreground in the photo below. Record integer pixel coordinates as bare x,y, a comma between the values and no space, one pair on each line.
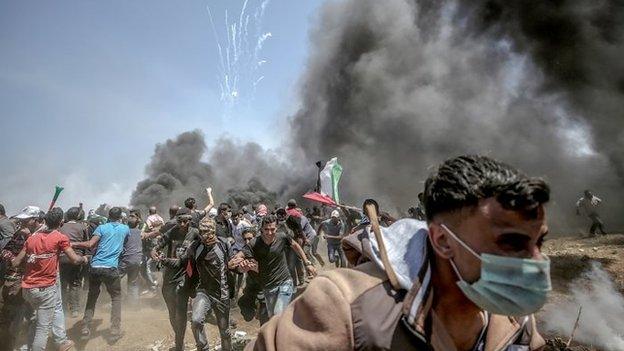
210,256
269,251
475,274
176,288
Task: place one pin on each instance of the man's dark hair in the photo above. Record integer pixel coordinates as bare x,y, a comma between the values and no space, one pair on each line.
114,214
281,214
189,203
81,214
268,219
54,218
2,210
73,213
224,206
173,210
462,181
136,212
370,202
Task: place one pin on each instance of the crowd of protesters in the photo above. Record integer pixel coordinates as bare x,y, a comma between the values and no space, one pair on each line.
218,258
211,260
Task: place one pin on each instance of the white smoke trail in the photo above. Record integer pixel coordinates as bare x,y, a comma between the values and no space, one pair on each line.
239,65
602,319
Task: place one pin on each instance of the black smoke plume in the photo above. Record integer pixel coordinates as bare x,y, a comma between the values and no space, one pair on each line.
395,87
184,167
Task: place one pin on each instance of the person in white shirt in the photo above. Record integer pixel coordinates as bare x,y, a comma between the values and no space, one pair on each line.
588,205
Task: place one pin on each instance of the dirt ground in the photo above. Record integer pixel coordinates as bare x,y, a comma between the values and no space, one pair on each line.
147,327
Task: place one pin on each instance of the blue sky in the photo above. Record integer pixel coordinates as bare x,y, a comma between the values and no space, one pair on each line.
87,88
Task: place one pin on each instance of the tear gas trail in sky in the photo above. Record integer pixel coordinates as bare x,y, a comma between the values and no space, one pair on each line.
239,45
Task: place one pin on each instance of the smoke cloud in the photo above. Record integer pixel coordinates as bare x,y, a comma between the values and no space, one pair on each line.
395,87
602,316
239,173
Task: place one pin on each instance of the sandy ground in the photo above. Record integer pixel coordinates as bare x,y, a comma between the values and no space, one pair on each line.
147,327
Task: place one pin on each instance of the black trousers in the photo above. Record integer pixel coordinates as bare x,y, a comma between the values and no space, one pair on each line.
176,298
132,271
71,282
111,278
596,224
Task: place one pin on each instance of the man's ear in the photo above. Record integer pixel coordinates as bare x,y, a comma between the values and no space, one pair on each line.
439,239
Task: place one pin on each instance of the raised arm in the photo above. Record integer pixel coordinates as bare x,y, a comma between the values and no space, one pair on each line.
210,200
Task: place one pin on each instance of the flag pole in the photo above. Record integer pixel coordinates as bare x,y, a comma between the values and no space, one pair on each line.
57,192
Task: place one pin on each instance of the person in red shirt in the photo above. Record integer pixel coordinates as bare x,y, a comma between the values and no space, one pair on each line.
39,287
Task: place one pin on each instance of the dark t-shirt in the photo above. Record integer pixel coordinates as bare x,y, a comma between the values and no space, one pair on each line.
223,228
211,264
133,248
76,232
7,229
271,259
332,229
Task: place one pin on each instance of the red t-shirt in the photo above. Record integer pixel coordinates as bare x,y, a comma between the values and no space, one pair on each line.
42,256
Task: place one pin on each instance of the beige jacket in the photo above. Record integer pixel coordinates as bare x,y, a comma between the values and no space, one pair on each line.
356,309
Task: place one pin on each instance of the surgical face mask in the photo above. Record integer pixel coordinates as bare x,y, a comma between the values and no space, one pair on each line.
508,286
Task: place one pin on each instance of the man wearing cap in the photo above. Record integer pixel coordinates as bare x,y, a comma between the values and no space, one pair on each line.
333,229
108,241
470,278
14,309
40,286
177,287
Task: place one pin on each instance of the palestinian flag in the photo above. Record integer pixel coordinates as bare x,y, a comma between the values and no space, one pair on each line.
329,178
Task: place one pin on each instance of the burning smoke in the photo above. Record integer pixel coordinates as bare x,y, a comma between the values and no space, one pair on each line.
602,316
395,87
174,173
177,171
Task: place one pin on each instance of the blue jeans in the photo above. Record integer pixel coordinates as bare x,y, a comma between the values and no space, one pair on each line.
278,298
336,255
